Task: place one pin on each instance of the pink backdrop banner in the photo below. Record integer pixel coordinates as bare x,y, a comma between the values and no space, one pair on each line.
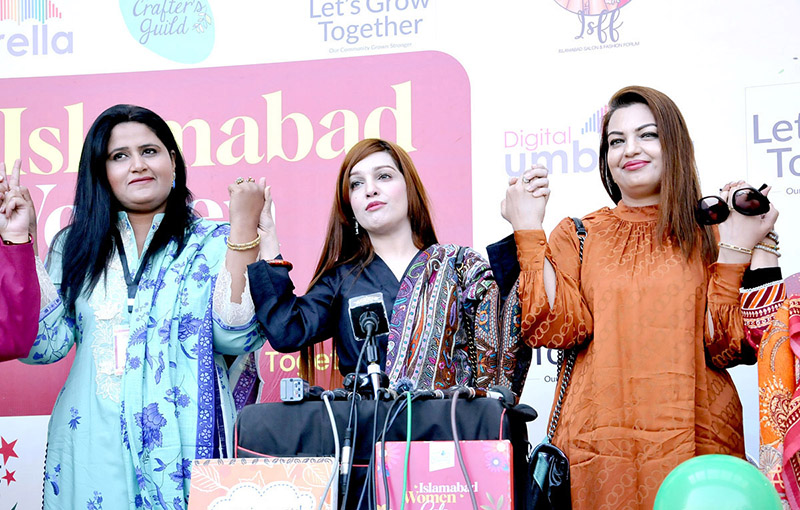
290,122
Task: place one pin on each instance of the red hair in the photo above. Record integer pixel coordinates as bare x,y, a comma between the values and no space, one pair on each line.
343,246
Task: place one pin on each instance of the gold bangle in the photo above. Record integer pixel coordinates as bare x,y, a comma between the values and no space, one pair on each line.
773,235
768,248
244,246
735,248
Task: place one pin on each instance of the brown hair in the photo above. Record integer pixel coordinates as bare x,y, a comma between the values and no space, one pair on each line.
680,184
343,246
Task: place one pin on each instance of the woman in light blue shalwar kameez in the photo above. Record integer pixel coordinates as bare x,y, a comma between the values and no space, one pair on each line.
148,391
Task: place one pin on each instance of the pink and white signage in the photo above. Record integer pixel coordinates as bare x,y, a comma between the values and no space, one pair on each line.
290,122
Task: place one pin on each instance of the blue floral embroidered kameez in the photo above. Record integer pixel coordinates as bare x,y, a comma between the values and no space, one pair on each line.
126,440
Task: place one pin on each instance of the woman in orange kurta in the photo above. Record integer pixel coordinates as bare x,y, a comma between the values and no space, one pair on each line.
654,308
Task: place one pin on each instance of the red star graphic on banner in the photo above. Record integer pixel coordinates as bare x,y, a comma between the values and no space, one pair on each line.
9,477
7,449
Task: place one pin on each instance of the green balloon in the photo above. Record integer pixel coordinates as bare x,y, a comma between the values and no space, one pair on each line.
717,482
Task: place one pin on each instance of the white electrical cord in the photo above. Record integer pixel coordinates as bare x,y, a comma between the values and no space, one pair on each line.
335,430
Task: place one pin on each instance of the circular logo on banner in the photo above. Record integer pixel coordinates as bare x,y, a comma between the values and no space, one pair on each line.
179,31
591,7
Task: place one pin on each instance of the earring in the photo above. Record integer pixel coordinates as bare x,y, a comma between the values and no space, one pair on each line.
356,227
173,181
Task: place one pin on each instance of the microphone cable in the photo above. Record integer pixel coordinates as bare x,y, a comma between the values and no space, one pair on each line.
335,430
401,404
397,406
404,403
458,449
352,427
389,419
391,415
408,455
369,480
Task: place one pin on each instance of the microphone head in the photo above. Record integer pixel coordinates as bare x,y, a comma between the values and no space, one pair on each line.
368,321
404,384
508,396
365,311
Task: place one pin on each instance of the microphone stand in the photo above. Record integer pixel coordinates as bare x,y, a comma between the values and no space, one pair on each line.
373,360
369,322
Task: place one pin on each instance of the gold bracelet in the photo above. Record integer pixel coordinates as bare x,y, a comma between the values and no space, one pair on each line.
244,246
735,248
768,248
773,235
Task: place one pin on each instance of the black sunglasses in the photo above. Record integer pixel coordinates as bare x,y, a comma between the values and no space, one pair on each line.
712,210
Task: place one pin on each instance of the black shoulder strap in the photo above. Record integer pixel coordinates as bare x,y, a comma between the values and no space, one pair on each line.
459,256
581,233
566,358
579,226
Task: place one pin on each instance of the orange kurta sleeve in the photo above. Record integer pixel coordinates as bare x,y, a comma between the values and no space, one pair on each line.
569,321
724,333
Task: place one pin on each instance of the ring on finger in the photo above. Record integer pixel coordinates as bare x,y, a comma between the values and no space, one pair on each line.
526,180
250,179
239,180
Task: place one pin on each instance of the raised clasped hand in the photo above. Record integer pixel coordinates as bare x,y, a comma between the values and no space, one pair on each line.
247,201
251,213
740,230
526,199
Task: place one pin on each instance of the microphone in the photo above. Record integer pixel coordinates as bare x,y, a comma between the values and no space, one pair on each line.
404,384
369,322
336,394
368,319
495,392
368,311
501,393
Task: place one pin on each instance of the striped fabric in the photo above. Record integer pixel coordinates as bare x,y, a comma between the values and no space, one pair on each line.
758,307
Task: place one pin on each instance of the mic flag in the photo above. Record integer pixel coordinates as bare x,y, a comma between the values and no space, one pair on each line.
365,311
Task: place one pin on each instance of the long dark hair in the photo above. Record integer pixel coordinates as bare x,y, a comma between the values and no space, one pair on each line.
680,184
343,246
89,243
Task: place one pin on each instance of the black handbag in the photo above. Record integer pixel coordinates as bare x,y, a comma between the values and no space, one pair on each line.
549,471
548,466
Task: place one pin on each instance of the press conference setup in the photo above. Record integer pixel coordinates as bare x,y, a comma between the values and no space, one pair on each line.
390,448
399,255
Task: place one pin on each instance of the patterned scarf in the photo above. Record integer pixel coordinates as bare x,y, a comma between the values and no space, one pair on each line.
430,341
779,401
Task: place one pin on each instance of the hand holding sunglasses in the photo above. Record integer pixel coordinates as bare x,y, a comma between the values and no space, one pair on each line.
712,210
